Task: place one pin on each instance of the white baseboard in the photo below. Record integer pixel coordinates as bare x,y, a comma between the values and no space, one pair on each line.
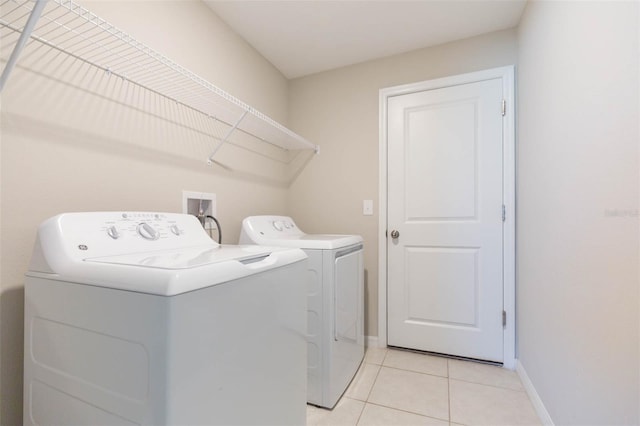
533,395
372,342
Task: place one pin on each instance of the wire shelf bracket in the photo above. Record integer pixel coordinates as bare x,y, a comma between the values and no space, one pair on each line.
226,137
22,41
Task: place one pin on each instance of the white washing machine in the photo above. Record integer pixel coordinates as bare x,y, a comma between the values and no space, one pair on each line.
335,301
140,318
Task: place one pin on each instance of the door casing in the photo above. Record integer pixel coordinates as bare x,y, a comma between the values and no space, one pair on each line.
507,74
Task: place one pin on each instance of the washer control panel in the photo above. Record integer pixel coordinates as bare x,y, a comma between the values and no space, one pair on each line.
149,226
95,234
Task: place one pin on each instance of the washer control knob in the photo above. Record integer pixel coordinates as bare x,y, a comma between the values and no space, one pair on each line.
288,225
277,225
175,229
147,231
112,231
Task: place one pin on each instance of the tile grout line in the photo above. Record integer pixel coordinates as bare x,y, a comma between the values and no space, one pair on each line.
377,374
449,378
409,371
420,354
377,404
414,371
374,383
366,401
448,419
485,384
361,411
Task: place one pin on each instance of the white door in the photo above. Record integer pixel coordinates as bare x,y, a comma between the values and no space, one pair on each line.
445,268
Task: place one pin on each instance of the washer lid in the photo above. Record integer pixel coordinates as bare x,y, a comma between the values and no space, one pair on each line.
172,272
188,258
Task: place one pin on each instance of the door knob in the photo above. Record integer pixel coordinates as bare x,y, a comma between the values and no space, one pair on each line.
395,234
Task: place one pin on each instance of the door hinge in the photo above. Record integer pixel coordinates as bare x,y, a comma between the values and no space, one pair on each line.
504,107
504,318
504,213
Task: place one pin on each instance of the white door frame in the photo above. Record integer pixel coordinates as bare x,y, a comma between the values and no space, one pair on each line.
509,189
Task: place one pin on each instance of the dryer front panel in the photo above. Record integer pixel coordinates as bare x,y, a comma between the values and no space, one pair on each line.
347,340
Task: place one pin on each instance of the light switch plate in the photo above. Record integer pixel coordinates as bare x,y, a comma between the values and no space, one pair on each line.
367,207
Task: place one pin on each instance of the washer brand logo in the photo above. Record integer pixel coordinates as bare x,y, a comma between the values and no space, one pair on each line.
83,247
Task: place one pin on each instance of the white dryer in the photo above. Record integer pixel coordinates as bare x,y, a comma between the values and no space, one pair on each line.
335,301
140,318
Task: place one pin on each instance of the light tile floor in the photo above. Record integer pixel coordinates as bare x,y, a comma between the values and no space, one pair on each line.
396,387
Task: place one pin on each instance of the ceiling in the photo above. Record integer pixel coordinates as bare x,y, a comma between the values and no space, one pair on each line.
301,37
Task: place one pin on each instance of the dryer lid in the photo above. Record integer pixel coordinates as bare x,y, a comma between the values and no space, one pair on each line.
282,231
311,241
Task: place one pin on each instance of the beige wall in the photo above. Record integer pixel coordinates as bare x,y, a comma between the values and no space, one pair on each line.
578,209
64,148
339,111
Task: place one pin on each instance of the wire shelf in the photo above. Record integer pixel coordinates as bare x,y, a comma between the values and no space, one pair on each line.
75,31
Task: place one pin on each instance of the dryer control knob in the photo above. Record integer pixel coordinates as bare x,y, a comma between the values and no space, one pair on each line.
175,229
147,231
277,225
